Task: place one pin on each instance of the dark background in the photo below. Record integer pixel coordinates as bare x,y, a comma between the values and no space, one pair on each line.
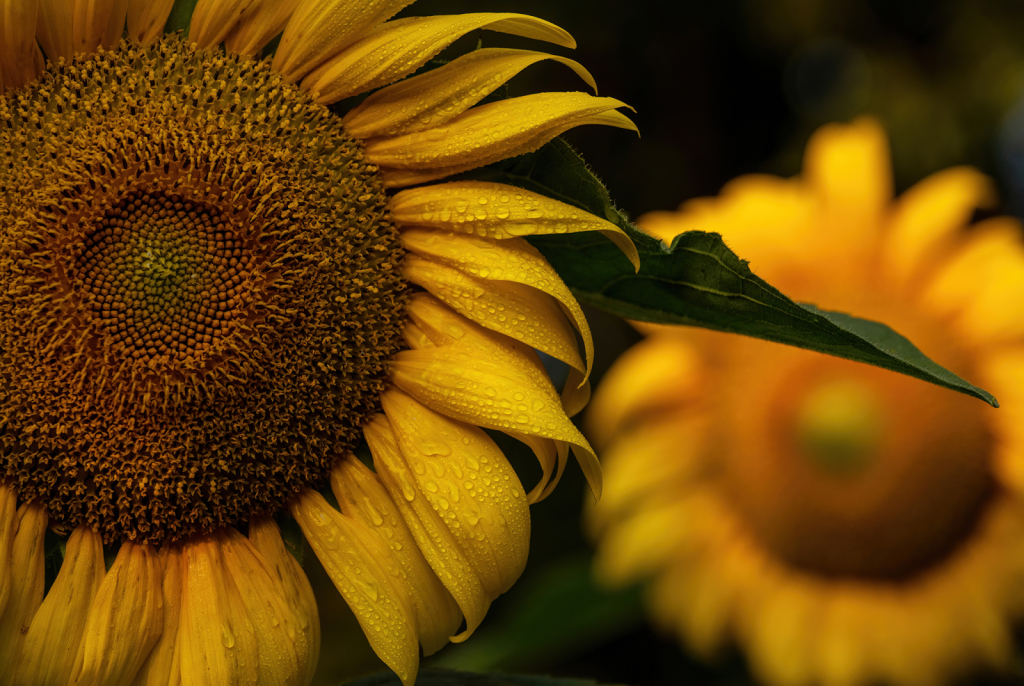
720,88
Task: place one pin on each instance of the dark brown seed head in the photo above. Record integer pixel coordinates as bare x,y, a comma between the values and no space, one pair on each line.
199,290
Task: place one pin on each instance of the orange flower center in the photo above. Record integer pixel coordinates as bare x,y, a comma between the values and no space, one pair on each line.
847,470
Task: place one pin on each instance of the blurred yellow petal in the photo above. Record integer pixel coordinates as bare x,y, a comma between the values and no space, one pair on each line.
978,287
212,20
656,374
217,645
368,577
431,99
18,49
765,219
258,24
782,636
162,666
848,168
400,47
53,29
28,578
650,464
266,538
639,545
51,645
320,29
928,215
8,528
362,495
488,133
495,210
510,308
486,379
281,644
511,260
125,620
97,23
692,599
147,18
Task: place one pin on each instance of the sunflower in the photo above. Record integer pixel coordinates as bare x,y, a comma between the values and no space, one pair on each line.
214,288
842,524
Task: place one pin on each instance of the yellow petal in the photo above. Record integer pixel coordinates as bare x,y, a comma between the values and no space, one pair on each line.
368,577
258,24
212,20
656,460
51,645
515,310
509,260
27,582
552,456
162,666
640,544
8,527
438,96
125,620
217,646
281,643
768,220
659,373
266,538
929,214
18,47
496,210
978,287
147,18
469,485
363,496
489,133
400,47
783,633
97,23
486,379
848,166
438,543
320,29
53,29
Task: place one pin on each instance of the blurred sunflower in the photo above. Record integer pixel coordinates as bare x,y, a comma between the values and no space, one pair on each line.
844,524
209,297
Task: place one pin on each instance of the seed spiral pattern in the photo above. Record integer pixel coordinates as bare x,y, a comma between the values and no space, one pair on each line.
200,290
166,278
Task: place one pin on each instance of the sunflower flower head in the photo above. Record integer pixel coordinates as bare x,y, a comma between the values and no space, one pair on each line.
843,525
213,289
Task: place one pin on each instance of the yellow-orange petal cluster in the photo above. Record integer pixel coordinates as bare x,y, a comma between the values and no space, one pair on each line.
844,525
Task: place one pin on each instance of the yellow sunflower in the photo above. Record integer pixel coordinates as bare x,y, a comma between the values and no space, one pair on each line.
212,290
843,524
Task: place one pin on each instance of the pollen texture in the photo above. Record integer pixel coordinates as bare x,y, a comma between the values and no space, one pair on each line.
199,291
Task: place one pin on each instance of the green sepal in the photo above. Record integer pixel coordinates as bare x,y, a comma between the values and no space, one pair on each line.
697,281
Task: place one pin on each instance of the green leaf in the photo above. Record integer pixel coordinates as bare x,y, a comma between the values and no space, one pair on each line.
444,677
697,281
